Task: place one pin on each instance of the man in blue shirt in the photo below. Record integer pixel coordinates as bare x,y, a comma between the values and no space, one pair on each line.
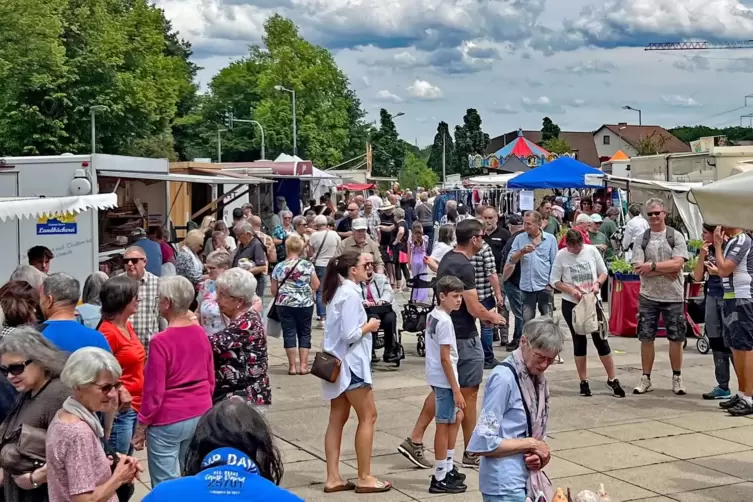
151,249
60,294
535,250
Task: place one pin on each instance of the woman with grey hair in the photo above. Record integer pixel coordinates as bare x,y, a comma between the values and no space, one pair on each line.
300,227
78,467
281,232
89,310
178,382
187,262
400,248
451,216
33,366
208,311
511,428
29,274
241,362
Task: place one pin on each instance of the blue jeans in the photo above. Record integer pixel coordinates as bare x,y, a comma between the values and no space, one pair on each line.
515,297
536,299
487,332
166,447
516,497
296,326
429,232
122,432
321,310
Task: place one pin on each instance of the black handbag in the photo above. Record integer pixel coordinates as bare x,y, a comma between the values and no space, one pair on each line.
272,312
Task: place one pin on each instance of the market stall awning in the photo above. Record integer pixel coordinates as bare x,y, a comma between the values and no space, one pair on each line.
726,202
356,187
639,184
565,172
36,207
490,180
185,178
521,147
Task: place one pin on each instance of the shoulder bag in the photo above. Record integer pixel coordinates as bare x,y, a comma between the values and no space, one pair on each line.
272,312
316,256
23,450
327,366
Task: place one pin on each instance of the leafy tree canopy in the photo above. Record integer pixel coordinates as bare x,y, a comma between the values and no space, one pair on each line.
556,145
549,130
436,150
469,140
389,150
416,173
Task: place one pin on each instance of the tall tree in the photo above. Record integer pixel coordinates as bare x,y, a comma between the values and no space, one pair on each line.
469,140
435,155
549,130
389,151
416,173
556,145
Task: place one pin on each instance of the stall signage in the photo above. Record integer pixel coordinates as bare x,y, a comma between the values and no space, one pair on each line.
57,225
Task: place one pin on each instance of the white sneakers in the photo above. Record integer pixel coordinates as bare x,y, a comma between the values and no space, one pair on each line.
678,387
644,386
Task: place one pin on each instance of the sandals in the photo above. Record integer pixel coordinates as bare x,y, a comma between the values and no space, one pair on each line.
349,486
292,372
381,487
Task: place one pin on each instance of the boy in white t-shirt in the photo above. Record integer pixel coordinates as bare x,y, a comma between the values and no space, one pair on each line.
442,376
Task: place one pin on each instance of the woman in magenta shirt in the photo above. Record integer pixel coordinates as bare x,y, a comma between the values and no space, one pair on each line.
178,383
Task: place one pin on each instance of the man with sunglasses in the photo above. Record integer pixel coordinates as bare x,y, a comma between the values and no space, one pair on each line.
146,319
379,301
345,227
659,261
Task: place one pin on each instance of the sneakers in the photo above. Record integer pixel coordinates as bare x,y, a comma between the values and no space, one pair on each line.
678,387
457,475
644,386
741,408
448,485
512,346
470,460
616,388
490,365
585,389
717,393
415,453
730,403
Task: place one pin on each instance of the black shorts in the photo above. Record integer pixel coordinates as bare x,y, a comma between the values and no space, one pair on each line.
738,323
387,255
673,314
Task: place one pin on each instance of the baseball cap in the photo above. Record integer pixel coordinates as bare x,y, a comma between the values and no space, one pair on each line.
596,218
360,224
514,219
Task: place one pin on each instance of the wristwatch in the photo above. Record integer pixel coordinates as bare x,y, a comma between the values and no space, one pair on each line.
653,266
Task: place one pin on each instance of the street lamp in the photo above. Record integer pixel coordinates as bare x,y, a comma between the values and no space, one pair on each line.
295,129
219,144
93,111
398,114
640,120
247,121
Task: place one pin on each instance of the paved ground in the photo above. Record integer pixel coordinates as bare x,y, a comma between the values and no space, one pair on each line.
658,447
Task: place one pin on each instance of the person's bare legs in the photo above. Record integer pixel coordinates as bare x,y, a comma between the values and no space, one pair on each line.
608,364
303,356
339,411
469,414
738,361
362,400
581,366
675,356
452,433
292,353
424,419
746,357
647,356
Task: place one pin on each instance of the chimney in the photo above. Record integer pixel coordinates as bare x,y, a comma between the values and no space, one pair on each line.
622,123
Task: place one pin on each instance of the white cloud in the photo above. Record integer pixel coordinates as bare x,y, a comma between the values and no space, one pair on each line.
386,96
692,63
678,101
503,109
587,67
577,103
542,104
421,89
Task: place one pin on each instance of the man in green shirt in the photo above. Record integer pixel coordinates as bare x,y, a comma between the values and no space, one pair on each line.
609,225
549,223
599,239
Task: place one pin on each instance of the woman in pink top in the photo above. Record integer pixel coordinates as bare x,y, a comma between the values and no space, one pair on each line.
178,383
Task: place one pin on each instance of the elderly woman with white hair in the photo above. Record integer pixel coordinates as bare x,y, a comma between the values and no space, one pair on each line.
511,430
241,361
178,382
33,366
89,310
322,247
281,232
77,466
33,277
188,263
208,311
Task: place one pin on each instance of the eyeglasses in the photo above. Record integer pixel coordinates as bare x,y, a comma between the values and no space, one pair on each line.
655,213
543,359
132,260
107,388
368,265
15,369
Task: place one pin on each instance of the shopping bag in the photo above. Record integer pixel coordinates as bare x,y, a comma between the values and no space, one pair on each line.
585,317
272,326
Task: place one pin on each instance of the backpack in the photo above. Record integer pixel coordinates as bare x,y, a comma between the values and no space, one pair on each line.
647,238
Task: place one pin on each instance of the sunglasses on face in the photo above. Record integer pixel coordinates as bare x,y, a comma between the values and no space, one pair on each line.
654,213
132,260
368,265
15,369
107,388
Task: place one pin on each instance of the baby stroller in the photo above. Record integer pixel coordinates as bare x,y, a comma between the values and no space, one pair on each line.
415,312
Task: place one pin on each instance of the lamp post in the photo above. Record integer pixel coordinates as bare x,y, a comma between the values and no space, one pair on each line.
640,119
295,129
247,121
93,111
219,144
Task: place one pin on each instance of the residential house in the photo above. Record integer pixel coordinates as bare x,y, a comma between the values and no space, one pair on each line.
609,139
581,143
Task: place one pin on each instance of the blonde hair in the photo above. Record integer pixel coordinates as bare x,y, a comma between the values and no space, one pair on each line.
194,238
293,244
207,222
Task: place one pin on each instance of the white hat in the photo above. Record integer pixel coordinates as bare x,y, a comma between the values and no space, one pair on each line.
360,224
386,207
596,218
583,218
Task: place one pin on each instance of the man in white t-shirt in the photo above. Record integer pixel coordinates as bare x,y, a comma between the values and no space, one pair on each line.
442,376
322,246
376,200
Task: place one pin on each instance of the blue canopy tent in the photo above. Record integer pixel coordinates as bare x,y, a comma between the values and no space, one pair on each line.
564,172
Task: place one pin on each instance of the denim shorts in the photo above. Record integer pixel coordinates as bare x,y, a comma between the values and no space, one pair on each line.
356,382
444,406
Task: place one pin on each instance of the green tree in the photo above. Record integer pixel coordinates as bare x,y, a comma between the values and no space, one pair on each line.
652,144
549,130
469,140
416,173
435,156
556,145
389,150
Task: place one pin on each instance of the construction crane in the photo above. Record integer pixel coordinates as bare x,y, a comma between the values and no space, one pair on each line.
698,45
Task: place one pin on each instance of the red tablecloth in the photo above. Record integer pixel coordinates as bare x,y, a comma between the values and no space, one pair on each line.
623,314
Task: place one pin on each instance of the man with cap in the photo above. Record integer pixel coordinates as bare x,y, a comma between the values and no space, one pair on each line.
361,242
599,239
151,249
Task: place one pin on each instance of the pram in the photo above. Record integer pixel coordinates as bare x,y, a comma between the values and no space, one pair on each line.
414,313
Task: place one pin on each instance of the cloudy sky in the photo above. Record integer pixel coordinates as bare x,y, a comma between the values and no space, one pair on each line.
578,61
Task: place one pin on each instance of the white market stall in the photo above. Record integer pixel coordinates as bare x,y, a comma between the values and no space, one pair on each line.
726,202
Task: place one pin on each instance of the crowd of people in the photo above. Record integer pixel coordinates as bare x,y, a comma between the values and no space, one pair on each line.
170,353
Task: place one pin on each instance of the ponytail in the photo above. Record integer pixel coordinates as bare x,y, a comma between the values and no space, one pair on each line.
336,268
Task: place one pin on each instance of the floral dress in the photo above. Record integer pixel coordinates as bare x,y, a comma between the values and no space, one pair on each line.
209,311
241,362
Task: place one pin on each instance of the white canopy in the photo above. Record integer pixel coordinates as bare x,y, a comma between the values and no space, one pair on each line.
492,179
36,207
726,202
321,181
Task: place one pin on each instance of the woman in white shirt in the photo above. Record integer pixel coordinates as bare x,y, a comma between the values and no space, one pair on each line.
579,270
347,336
445,244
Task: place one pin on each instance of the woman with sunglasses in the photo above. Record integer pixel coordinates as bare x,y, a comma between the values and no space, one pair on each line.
120,300
79,468
349,339
33,366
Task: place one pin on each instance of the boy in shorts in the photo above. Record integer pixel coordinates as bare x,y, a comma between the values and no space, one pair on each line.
442,376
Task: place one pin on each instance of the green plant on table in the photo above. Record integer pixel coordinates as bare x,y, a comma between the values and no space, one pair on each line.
620,266
690,264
